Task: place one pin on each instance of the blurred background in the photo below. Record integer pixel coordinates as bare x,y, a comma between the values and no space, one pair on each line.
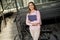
13,15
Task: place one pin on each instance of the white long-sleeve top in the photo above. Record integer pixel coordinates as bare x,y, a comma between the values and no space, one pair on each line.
37,13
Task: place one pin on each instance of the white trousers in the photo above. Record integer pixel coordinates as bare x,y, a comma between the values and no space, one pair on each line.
35,32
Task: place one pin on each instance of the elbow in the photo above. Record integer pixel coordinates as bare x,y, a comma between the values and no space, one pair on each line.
26,23
40,22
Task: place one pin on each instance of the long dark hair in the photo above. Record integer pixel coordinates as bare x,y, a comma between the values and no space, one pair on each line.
33,5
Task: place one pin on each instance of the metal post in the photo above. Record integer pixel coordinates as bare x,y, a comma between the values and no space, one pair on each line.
2,12
16,5
2,8
18,28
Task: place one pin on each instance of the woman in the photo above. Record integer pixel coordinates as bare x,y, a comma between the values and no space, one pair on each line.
33,19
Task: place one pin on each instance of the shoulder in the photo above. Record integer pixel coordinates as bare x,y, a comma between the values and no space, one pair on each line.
27,14
37,10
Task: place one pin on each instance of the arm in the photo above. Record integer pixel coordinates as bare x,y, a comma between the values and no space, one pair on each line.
27,21
38,18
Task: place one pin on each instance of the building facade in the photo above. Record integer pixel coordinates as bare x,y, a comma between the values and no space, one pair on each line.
9,4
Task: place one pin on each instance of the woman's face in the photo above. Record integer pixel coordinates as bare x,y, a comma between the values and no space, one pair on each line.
31,6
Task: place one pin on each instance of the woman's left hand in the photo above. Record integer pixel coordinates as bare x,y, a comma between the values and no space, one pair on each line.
34,24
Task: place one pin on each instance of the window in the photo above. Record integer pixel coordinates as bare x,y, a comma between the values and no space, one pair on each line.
37,1
8,4
51,0
42,1
20,3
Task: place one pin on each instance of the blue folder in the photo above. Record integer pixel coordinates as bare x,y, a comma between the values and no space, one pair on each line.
32,17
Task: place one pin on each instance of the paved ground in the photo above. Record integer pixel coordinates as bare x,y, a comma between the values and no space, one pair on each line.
9,31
